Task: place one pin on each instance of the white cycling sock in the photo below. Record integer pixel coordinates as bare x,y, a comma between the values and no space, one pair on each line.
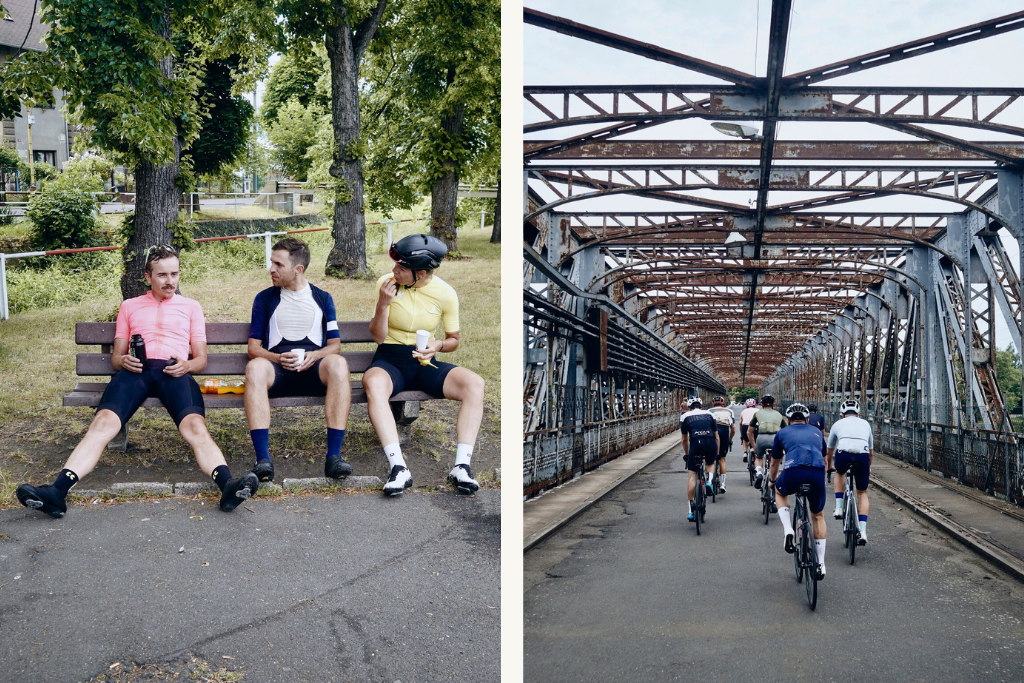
394,453
760,470
819,546
463,452
721,480
787,523
689,506
863,527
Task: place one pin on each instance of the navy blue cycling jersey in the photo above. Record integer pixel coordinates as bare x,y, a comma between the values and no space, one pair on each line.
701,427
802,445
816,420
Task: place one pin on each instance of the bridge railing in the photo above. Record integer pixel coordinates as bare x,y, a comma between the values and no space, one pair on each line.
989,460
555,455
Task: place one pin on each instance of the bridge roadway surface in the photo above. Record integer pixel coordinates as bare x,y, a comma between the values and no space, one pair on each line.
628,591
297,588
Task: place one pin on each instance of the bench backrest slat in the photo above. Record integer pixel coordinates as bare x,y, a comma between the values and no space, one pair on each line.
351,331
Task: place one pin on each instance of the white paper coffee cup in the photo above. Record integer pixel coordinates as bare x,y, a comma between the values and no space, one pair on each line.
422,337
300,355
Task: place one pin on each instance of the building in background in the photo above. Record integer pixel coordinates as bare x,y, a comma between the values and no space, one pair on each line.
51,138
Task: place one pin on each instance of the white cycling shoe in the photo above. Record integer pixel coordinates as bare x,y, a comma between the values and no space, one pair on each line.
463,479
399,481
838,514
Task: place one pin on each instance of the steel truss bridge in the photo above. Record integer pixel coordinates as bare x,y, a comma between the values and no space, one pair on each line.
804,292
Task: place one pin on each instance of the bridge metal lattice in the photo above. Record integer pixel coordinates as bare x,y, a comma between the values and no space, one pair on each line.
805,291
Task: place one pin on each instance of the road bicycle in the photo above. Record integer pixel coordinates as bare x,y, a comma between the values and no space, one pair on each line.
751,469
851,527
805,559
767,491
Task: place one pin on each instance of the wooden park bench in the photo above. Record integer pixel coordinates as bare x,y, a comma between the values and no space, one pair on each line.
405,405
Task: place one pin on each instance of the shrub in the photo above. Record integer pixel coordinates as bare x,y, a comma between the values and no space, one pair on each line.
63,216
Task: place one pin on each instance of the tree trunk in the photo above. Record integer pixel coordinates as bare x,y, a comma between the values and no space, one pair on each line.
156,204
496,231
348,257
444,193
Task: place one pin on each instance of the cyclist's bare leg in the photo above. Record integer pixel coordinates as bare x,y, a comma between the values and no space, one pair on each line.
691,485
818,521
782,503
862,502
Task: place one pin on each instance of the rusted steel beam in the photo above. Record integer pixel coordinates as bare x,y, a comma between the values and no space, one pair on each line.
939,41
826,150
618,42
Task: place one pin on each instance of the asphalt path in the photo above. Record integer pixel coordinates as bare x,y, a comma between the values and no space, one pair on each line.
342,587
628,591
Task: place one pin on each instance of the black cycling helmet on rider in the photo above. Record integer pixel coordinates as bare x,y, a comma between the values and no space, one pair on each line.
418,252
767,400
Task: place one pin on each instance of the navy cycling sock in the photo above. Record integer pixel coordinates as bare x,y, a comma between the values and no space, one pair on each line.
862,518
839,495
261,443
335,437
64,481
221,476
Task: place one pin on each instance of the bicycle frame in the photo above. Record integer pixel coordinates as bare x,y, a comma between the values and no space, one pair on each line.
805,559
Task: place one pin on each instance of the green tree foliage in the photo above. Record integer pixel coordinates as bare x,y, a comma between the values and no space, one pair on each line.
1008,374
432,105
127,76
295,76
740,394
87,171
227,125
63,215
293,133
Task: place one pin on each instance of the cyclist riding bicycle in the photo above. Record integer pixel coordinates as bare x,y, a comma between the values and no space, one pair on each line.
851,444
745,417
700,443
798,449
761,431
726,423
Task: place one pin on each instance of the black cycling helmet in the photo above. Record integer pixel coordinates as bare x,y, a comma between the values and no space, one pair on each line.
813,407
718,399
418,252
767,399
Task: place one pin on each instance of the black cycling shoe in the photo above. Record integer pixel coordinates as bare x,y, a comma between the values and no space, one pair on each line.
46,499
790,546
775,509
758,481
744,458
336,467
238,490
264,470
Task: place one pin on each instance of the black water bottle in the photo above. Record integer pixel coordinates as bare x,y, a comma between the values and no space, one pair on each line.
137,347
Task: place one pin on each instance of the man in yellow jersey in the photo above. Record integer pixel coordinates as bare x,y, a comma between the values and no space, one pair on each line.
413,298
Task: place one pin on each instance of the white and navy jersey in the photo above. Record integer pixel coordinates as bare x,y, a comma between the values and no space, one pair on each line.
305,316
701,427
851,435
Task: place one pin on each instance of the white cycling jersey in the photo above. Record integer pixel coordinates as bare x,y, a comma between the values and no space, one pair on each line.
852,435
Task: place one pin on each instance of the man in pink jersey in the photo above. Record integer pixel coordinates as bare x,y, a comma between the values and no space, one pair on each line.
170,325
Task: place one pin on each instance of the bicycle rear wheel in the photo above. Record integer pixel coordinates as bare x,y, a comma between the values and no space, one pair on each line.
750,468
766,500
854,527
714,485
811,562
796,554
698,504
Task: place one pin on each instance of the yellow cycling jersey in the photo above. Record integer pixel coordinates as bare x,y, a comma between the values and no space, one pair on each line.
420,308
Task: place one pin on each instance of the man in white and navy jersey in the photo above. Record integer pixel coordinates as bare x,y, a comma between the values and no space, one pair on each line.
294,349
700,441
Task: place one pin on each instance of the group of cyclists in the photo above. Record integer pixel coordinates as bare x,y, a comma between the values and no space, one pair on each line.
801,452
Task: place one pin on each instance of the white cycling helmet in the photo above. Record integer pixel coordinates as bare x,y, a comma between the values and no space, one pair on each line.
797,411
750,402
850,405
694,402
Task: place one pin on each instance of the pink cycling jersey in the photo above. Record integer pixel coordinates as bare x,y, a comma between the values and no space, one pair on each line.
168,327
